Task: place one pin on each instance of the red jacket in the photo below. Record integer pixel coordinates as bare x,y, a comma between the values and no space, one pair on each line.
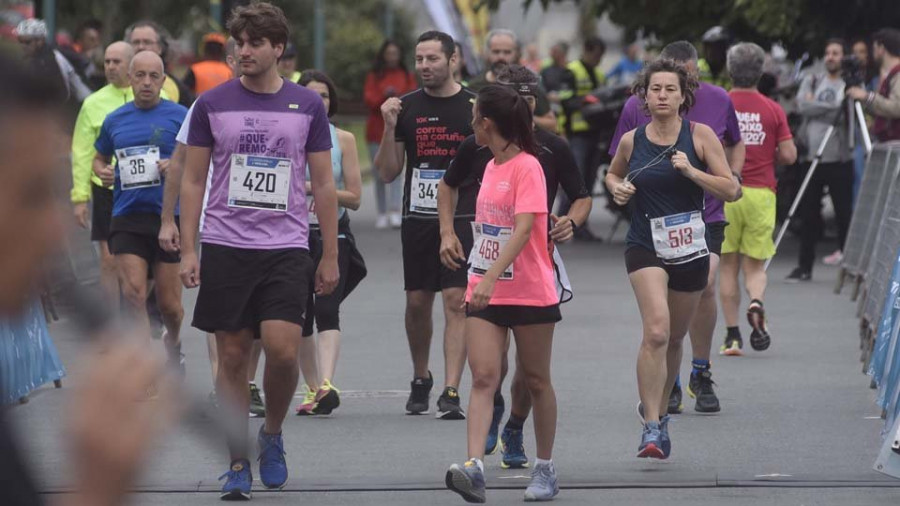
393,83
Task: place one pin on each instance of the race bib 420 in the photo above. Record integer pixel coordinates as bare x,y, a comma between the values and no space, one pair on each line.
259,182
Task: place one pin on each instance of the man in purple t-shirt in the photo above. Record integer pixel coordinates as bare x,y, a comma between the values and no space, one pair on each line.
259,131
712,107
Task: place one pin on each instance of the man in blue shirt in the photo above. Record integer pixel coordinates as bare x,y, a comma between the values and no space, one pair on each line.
141,136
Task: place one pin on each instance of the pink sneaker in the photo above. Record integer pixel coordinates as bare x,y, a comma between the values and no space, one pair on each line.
834,259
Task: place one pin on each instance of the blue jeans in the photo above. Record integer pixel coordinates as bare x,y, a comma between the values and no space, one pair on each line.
388,196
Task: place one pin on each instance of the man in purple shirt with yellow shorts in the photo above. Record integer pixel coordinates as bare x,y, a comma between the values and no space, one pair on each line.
712,107
259,131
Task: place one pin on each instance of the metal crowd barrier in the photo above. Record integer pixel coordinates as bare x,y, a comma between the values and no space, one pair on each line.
882,170
872,262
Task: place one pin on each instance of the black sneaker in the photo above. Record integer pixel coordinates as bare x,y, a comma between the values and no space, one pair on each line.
448,405
760,339
797,275
700,387
675,404
419,395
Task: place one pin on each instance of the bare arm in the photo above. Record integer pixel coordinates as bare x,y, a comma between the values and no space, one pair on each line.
103,170
736,156
621,190
173,182
719,181
351,196
787,152
451,250
193,185
323,190
390,157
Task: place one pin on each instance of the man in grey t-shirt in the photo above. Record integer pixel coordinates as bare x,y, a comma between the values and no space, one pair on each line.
820,101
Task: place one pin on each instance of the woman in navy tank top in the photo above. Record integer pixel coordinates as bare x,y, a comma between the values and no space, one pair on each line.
662,169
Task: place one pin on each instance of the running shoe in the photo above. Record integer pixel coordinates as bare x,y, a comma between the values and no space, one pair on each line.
544,485
651,443
381,222
257,407
513,445
700,387
238,482
308,408
676,406
665,444
797,275
467,481
328,398
419,395
733,347
175,358
448,407
760,339
834,259
273,471
396,220
493,439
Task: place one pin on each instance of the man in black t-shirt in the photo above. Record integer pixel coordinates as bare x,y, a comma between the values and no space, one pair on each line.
427,126
461,184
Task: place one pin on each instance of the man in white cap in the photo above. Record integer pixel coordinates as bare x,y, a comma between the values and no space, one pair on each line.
49,62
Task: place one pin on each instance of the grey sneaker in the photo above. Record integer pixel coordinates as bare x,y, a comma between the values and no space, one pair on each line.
257,406
544,486
467,481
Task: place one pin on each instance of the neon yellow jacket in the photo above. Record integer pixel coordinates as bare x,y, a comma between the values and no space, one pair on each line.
722,80
94,110
583,86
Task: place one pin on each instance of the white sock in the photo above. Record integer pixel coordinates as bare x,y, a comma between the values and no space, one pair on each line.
478,463
538,462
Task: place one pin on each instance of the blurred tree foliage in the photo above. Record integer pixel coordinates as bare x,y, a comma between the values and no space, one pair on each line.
354,28
800,24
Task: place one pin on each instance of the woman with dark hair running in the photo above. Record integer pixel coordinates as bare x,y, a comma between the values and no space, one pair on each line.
388,78
665,167
511,286
318,356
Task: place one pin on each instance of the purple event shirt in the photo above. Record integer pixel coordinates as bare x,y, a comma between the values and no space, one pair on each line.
713,108
289,124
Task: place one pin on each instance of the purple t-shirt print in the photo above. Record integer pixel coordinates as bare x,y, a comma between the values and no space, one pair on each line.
713,108
261,141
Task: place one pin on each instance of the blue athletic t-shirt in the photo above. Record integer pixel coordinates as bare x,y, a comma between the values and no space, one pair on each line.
131,128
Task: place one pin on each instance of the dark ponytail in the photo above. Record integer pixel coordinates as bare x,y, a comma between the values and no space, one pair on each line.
512,115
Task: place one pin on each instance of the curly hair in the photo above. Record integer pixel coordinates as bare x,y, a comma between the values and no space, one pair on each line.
686,81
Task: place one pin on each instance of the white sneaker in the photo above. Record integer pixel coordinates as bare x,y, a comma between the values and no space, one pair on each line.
396,220
382,222
834,259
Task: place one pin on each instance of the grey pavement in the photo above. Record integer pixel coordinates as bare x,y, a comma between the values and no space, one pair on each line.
798,424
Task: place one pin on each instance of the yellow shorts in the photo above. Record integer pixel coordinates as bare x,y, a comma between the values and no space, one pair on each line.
751,223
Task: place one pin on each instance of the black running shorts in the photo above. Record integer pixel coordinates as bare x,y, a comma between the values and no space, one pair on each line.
514,316
422,267
142,245
716,235
241,288
687,277
101,213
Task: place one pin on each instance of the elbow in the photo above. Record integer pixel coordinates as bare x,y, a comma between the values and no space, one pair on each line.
733,193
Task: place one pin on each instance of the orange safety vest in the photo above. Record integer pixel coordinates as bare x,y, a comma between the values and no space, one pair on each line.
209,74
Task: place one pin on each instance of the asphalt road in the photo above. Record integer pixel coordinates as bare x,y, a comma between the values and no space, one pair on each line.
798,425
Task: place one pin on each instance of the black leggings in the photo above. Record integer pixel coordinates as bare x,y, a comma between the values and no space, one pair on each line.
325,309
838,177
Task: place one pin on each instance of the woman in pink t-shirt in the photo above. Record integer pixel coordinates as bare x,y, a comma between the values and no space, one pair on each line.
511,286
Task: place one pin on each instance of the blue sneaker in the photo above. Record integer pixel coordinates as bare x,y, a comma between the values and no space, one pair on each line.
651,446
544,486
467,481
272,466
493,439
238,481
513,450
665,443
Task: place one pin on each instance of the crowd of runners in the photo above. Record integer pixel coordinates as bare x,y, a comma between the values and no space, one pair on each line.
247,196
